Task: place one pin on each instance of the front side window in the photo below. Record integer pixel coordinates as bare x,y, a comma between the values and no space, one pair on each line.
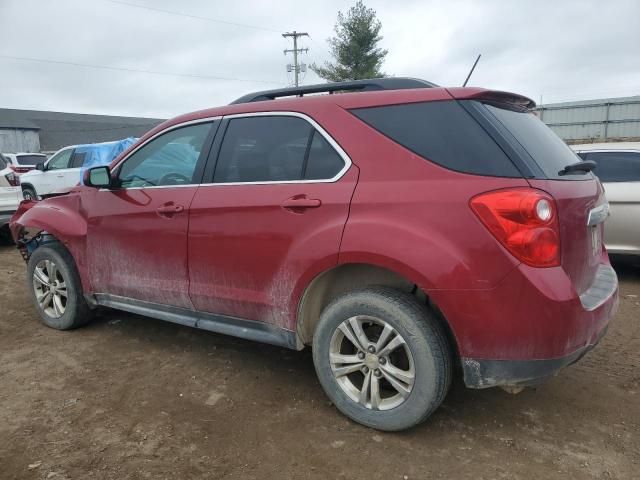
616,166
274,149
168,160
60,160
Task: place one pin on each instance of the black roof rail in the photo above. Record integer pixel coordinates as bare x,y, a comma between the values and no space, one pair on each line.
389,83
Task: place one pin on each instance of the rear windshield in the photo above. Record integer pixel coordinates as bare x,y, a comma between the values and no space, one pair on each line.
615,166
31,159
549,152
3,162
442,132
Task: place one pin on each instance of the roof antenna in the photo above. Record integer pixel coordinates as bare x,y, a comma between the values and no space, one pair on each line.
472,69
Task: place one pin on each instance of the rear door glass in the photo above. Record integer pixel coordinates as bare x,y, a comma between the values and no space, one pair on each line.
549,152
77,159
616,166
442,132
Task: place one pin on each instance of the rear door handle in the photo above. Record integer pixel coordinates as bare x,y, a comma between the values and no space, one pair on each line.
169,209
301,202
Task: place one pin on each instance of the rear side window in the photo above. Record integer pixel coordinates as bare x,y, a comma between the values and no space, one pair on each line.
3,162
442,132
323,161
31,159
616,166
274,149
548,151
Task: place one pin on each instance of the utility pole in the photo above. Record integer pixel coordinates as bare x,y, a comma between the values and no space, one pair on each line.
296,68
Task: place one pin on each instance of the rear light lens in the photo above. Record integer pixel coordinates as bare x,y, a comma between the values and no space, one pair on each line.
13,179
525,222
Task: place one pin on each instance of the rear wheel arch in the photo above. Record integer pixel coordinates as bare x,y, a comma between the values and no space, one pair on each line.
352,276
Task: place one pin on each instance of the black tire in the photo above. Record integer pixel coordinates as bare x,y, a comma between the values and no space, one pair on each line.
424,337
76,311
29,193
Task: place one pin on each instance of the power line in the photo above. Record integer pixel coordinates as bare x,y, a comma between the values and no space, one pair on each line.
197,17
126,69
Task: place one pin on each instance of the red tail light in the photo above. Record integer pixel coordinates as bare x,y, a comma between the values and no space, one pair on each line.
20,169
525,222
13,179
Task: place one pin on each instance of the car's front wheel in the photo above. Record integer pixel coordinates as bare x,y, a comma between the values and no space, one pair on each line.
382,358
55,288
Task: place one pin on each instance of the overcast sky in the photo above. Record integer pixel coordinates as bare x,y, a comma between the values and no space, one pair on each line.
560,49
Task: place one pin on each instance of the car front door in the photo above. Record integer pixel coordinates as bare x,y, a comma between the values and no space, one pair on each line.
619,171
270,218
47,182
137,230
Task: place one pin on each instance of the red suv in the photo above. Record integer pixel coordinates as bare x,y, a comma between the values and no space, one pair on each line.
399,228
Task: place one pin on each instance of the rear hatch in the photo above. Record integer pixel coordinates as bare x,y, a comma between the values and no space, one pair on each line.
541,156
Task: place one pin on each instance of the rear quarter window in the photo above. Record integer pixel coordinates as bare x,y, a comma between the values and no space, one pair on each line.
442,132
3,162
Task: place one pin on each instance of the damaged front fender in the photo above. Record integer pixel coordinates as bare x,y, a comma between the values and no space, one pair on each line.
55,219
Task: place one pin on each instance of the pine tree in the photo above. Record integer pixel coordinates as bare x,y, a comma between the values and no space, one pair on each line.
354,47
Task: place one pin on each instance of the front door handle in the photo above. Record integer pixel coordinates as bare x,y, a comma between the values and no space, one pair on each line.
169,209
301,202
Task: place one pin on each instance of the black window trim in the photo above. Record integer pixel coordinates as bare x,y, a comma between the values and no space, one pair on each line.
215,151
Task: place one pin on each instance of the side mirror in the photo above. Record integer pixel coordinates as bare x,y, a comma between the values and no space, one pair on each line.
41,166
97,177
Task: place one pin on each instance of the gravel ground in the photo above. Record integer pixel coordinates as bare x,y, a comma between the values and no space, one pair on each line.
130,397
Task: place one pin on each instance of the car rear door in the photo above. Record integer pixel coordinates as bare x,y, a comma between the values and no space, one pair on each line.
270,218
619,171
137,230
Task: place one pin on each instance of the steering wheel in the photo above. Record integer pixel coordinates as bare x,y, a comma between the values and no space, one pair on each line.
174,178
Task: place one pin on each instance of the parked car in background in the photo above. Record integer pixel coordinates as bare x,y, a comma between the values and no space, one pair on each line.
24,162
399,229
10,195
618,168
62,171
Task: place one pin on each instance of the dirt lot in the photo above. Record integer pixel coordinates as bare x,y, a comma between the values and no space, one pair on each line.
129,397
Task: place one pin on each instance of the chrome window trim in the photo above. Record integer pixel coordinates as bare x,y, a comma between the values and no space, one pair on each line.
606,150
345,158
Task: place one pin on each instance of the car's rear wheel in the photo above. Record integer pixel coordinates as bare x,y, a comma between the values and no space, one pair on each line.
382,358
55,288
29,193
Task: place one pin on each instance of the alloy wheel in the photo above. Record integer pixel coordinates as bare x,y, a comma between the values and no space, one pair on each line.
372,362
50,288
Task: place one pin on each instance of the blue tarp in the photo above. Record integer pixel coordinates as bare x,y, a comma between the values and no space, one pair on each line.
97,154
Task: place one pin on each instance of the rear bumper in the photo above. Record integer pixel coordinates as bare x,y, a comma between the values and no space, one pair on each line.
515,373
532,324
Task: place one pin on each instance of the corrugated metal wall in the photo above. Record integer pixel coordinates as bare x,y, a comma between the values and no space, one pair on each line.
13,140
594,120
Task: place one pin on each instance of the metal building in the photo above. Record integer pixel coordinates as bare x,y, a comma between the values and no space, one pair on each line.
588,121
18,135
35,131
